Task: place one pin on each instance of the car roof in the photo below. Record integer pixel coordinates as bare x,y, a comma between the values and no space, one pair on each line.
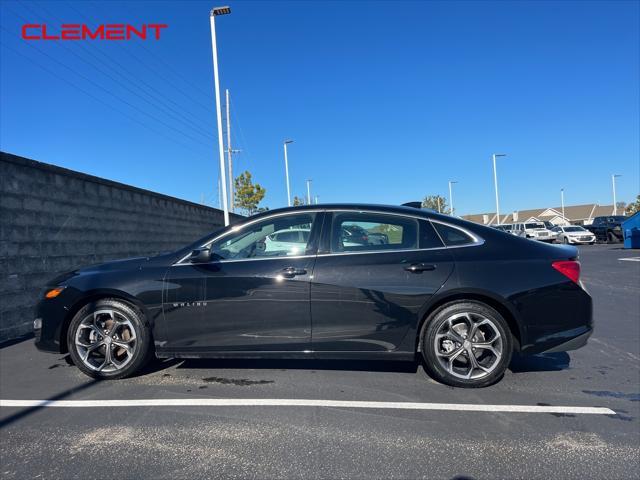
426,213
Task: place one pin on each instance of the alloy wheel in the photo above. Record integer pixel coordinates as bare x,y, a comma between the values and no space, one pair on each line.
468,345
106,341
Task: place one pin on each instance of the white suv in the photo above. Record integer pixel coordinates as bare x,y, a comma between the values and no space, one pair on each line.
534,231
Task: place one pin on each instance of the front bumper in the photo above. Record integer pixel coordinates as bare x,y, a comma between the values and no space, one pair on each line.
577,241
52,314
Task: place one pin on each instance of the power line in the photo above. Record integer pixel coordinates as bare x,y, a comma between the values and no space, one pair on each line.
31,44
95,97
202,91
155,102
141,61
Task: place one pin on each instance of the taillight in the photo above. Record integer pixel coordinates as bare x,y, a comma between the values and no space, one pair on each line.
569,268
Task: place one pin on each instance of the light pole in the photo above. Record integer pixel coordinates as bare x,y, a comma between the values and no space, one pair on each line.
615,203
451,197
564,219
495,182
286,170
309,191
214,13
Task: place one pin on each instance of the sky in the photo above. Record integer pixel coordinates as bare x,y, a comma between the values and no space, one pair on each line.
386,101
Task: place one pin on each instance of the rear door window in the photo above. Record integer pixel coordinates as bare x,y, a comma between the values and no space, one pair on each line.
453,237
364,231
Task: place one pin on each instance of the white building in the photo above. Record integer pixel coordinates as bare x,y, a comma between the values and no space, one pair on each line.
573,215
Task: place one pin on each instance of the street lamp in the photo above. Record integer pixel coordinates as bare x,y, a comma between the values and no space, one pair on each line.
495,182
564,219
451,196
286,170
615,203
309,191
214,13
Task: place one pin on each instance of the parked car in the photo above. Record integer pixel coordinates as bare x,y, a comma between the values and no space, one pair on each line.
459,295
572,234
291,241
607,229
505,227
534,231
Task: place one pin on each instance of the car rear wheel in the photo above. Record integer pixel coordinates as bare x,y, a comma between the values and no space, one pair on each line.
466,344
108,339
611,238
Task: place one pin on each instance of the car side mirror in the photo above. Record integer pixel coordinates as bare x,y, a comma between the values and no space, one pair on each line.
200,255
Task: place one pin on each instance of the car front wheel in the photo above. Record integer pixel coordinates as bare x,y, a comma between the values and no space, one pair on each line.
109,339
466,344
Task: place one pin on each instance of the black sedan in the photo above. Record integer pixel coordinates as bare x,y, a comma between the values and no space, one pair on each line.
460,295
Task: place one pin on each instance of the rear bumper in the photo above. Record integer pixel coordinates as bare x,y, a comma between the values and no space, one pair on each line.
574,343
556,318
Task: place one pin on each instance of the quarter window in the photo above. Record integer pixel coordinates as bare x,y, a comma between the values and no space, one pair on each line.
453,237
275,237
356,232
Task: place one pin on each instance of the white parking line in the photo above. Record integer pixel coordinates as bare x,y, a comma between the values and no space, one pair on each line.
630,259
277,402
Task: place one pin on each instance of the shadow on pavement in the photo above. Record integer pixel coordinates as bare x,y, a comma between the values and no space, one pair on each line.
547,362
23,338
28,411
544,362
296,364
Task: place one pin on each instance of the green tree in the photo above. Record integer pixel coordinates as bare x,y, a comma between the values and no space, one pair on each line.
297,201
436,202
247,194
633,207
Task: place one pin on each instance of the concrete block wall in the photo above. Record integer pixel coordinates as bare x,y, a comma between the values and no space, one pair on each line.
53,220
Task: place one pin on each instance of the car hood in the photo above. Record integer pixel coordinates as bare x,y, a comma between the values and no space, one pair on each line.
137,263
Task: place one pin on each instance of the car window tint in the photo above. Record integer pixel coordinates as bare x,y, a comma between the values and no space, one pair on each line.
291,236
428,236
361,231
451,236
273,237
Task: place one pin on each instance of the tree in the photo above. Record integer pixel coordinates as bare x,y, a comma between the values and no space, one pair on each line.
435,202
297,201
633,207
247,194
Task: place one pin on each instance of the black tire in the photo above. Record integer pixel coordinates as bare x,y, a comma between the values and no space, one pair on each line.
139,341
436,321
611,238
566,241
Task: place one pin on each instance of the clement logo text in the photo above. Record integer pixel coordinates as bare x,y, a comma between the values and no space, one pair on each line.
80,31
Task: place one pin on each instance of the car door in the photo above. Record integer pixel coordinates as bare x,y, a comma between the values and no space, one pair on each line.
367,296
247,298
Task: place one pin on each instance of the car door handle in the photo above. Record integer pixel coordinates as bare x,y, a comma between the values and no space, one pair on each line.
290,272
420,267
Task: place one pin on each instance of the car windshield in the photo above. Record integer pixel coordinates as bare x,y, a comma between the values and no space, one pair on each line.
574,229
617,218
534,225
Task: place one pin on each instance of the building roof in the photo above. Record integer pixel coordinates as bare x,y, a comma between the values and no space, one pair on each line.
572,213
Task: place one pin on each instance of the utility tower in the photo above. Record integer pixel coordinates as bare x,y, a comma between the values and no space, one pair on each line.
230,153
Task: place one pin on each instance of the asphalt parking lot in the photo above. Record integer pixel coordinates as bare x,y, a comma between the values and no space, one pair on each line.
332,441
